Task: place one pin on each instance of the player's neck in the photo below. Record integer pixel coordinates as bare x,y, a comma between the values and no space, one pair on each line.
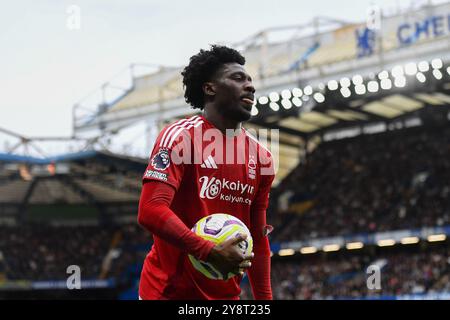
220,122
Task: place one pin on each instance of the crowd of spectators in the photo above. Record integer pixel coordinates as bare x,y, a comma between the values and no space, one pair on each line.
43,252
370,183
347,277
40,252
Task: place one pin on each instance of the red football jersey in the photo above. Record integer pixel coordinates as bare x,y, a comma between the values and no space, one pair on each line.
212,173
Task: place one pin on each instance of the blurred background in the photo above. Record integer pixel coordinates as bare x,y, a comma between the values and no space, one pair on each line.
360,94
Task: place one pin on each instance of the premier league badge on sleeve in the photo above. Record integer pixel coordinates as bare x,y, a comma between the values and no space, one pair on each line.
161,160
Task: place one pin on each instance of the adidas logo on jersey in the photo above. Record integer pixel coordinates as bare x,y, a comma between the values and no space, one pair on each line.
209,163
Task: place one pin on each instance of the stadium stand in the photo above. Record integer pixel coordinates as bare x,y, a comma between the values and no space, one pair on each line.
42,252
389,181
406,272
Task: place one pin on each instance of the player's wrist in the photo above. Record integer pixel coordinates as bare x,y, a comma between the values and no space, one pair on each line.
207,249
214,253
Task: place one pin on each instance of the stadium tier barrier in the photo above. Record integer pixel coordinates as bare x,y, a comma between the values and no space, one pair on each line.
423,296
55,284
365,238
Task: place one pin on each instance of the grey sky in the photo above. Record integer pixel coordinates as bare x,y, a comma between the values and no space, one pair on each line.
46,68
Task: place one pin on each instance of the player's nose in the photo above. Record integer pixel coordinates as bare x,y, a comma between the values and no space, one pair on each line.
248,87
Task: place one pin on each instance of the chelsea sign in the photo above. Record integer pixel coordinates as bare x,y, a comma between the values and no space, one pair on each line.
406,33
435,26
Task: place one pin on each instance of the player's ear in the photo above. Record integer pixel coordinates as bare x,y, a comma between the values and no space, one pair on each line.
209,89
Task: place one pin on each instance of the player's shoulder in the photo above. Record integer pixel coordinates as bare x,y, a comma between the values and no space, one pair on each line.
171,133
254,140
264,157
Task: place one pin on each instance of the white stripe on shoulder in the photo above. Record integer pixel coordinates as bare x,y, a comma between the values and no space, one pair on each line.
172,129
169,128
256,140
186,126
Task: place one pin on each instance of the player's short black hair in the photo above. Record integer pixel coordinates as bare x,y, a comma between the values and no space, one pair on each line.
202,67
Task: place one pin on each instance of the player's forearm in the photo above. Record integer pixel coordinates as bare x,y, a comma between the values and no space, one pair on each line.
156,217
259,272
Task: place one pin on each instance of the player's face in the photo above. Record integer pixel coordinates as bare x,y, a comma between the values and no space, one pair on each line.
234,92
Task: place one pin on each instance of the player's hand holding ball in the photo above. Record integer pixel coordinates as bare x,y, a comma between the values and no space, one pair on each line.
229,257
232,254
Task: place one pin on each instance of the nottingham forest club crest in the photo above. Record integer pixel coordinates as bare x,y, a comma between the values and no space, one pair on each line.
161,160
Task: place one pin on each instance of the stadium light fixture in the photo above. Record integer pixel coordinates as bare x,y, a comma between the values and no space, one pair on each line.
423,66
421,77
274,97
436,237
287,104
254,111
373,86
346,93
305,98
409,240
319,97
321,86
448,70
308,90
411,69
400,82
308,250
360,89
333,85
331,247
386,242
437,74
271,253
354,245
437,63
286,94
297,92
383,75
397,71
263,100
345,82
386,84
357,79
297,102
286,252
274,106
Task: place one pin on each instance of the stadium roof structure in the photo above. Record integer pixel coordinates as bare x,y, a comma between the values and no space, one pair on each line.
327,78
106,183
